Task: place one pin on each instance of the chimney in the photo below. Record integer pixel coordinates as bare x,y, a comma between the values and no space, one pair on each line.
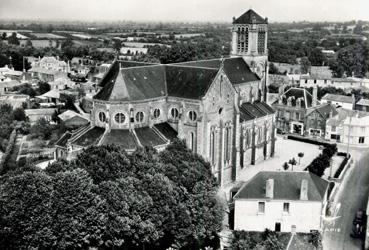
269,190
353,101
315,96
281,90
304,190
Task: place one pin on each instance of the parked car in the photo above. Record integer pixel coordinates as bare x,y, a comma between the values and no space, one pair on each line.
358,223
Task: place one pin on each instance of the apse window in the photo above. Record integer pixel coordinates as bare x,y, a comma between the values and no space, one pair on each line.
156,113
139,116
192,115
102,117
119,118
174,113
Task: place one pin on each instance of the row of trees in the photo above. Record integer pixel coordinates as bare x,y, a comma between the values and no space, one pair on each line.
8,120
109,199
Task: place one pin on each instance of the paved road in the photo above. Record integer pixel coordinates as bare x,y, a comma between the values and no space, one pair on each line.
352,197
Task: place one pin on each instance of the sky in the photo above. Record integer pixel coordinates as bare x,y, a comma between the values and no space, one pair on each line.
185,10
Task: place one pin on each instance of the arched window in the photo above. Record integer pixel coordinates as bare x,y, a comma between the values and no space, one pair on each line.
260,135
192,141
102,117
156,113
192,115
120,118
174,113
248,138
139,116
228,141
212,147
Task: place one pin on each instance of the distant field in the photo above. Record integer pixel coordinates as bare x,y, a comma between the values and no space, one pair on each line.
9,33
40,43
82,36
48,36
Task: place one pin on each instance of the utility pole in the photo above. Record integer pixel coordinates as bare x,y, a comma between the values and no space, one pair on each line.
348,138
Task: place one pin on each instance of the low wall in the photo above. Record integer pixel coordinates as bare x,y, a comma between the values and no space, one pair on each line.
367,229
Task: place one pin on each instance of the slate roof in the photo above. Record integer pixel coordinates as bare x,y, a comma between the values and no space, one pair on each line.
129,84
296,93
70,114
186,80
91,137
166,130
287,186
41,111
250,17
148,137
62,142
325,110
337,98
250,111
363,102
121,137
236,68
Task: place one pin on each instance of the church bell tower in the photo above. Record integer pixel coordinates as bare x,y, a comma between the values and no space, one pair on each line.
249,41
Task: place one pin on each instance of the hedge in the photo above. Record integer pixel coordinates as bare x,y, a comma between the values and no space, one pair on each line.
322,161
342,166
308,140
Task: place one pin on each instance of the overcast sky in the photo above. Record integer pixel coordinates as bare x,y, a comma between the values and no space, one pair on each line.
185,10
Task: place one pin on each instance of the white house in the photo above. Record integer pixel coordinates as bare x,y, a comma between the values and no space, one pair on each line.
340,83
347,102
281,201
349,126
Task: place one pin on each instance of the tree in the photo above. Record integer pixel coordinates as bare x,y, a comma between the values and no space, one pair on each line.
41,129
19,114
29,43
273,69
68,43
285,166
242,240
3,36
43,87
25,220
316,57
13,39
300,155
105,163
117,45
351,61
305,65
77,212
293,162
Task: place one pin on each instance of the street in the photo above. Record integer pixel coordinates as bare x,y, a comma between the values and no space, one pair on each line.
352,197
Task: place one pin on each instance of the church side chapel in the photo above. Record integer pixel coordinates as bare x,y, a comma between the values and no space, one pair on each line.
217,106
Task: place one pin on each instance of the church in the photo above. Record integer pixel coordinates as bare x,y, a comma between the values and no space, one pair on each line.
217,106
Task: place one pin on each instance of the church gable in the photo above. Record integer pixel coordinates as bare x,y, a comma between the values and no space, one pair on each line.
221,93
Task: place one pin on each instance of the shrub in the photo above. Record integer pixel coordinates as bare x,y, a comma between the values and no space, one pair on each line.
320,163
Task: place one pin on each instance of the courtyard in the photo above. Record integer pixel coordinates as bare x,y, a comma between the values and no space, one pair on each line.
285,150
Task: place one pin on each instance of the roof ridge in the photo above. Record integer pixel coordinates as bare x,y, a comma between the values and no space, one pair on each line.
185,66
144,66
203,60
